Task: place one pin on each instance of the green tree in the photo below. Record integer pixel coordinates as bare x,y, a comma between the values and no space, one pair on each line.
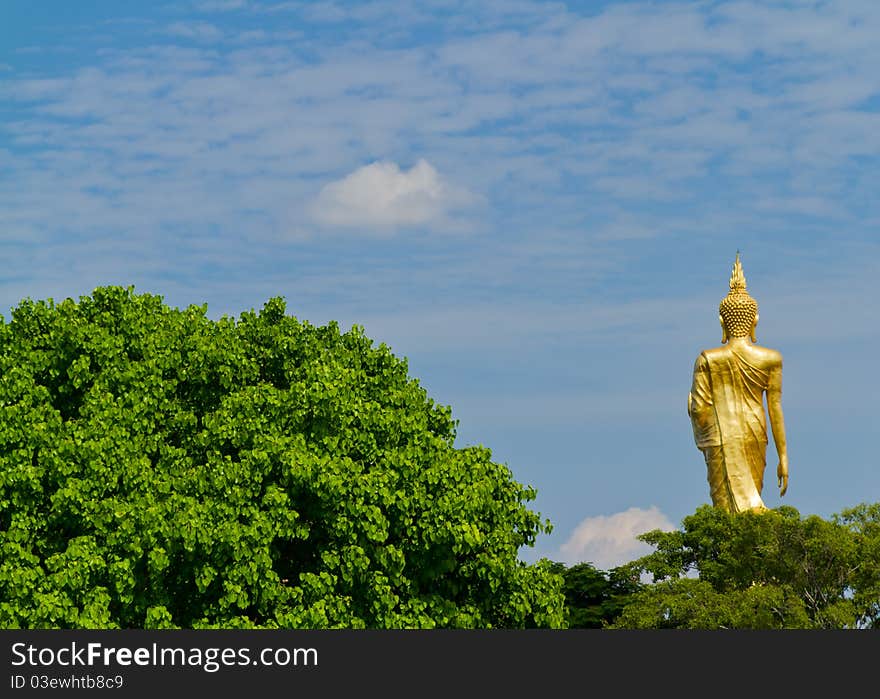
594,598
863,523
160,469
761,571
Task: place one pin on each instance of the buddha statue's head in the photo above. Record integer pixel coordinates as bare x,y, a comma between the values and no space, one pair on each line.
738,312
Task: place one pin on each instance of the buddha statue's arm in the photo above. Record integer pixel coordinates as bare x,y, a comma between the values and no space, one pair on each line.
777,425
700,409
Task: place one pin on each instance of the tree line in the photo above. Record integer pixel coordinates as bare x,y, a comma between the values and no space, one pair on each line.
159,469
774,570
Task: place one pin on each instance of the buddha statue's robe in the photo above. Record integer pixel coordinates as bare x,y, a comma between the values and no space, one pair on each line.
726,407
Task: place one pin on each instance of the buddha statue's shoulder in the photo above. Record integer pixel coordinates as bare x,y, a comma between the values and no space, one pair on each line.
765,356
755,354
714,353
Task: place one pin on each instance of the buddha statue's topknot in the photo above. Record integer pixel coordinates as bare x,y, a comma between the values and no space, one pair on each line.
738,310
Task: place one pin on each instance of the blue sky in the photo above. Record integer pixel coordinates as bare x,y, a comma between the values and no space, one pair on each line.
538,204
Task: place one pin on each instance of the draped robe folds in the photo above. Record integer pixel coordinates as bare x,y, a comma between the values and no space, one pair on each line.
726,406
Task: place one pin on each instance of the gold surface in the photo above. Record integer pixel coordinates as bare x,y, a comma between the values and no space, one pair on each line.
726,405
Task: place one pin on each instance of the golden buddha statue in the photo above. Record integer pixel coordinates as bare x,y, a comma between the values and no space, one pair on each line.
726,405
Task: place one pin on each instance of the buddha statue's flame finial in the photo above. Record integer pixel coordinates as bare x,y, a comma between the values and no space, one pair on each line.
737,278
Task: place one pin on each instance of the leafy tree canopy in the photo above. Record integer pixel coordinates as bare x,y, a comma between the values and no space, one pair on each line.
761,571
160,469
595,598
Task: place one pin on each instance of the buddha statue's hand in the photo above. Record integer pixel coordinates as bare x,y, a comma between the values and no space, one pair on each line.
782,474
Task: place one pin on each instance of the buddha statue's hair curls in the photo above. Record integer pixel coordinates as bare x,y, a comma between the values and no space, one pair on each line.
738,310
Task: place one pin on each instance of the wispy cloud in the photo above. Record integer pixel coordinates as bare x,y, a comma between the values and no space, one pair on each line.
607,541
522,101
200,31
220,5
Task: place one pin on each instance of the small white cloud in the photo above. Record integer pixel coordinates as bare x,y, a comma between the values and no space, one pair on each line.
220,5
324,12
609,541
381,195
200,31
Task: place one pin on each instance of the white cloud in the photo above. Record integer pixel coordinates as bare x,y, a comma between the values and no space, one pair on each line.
220,5
200,31
381,195
565,122
609,541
